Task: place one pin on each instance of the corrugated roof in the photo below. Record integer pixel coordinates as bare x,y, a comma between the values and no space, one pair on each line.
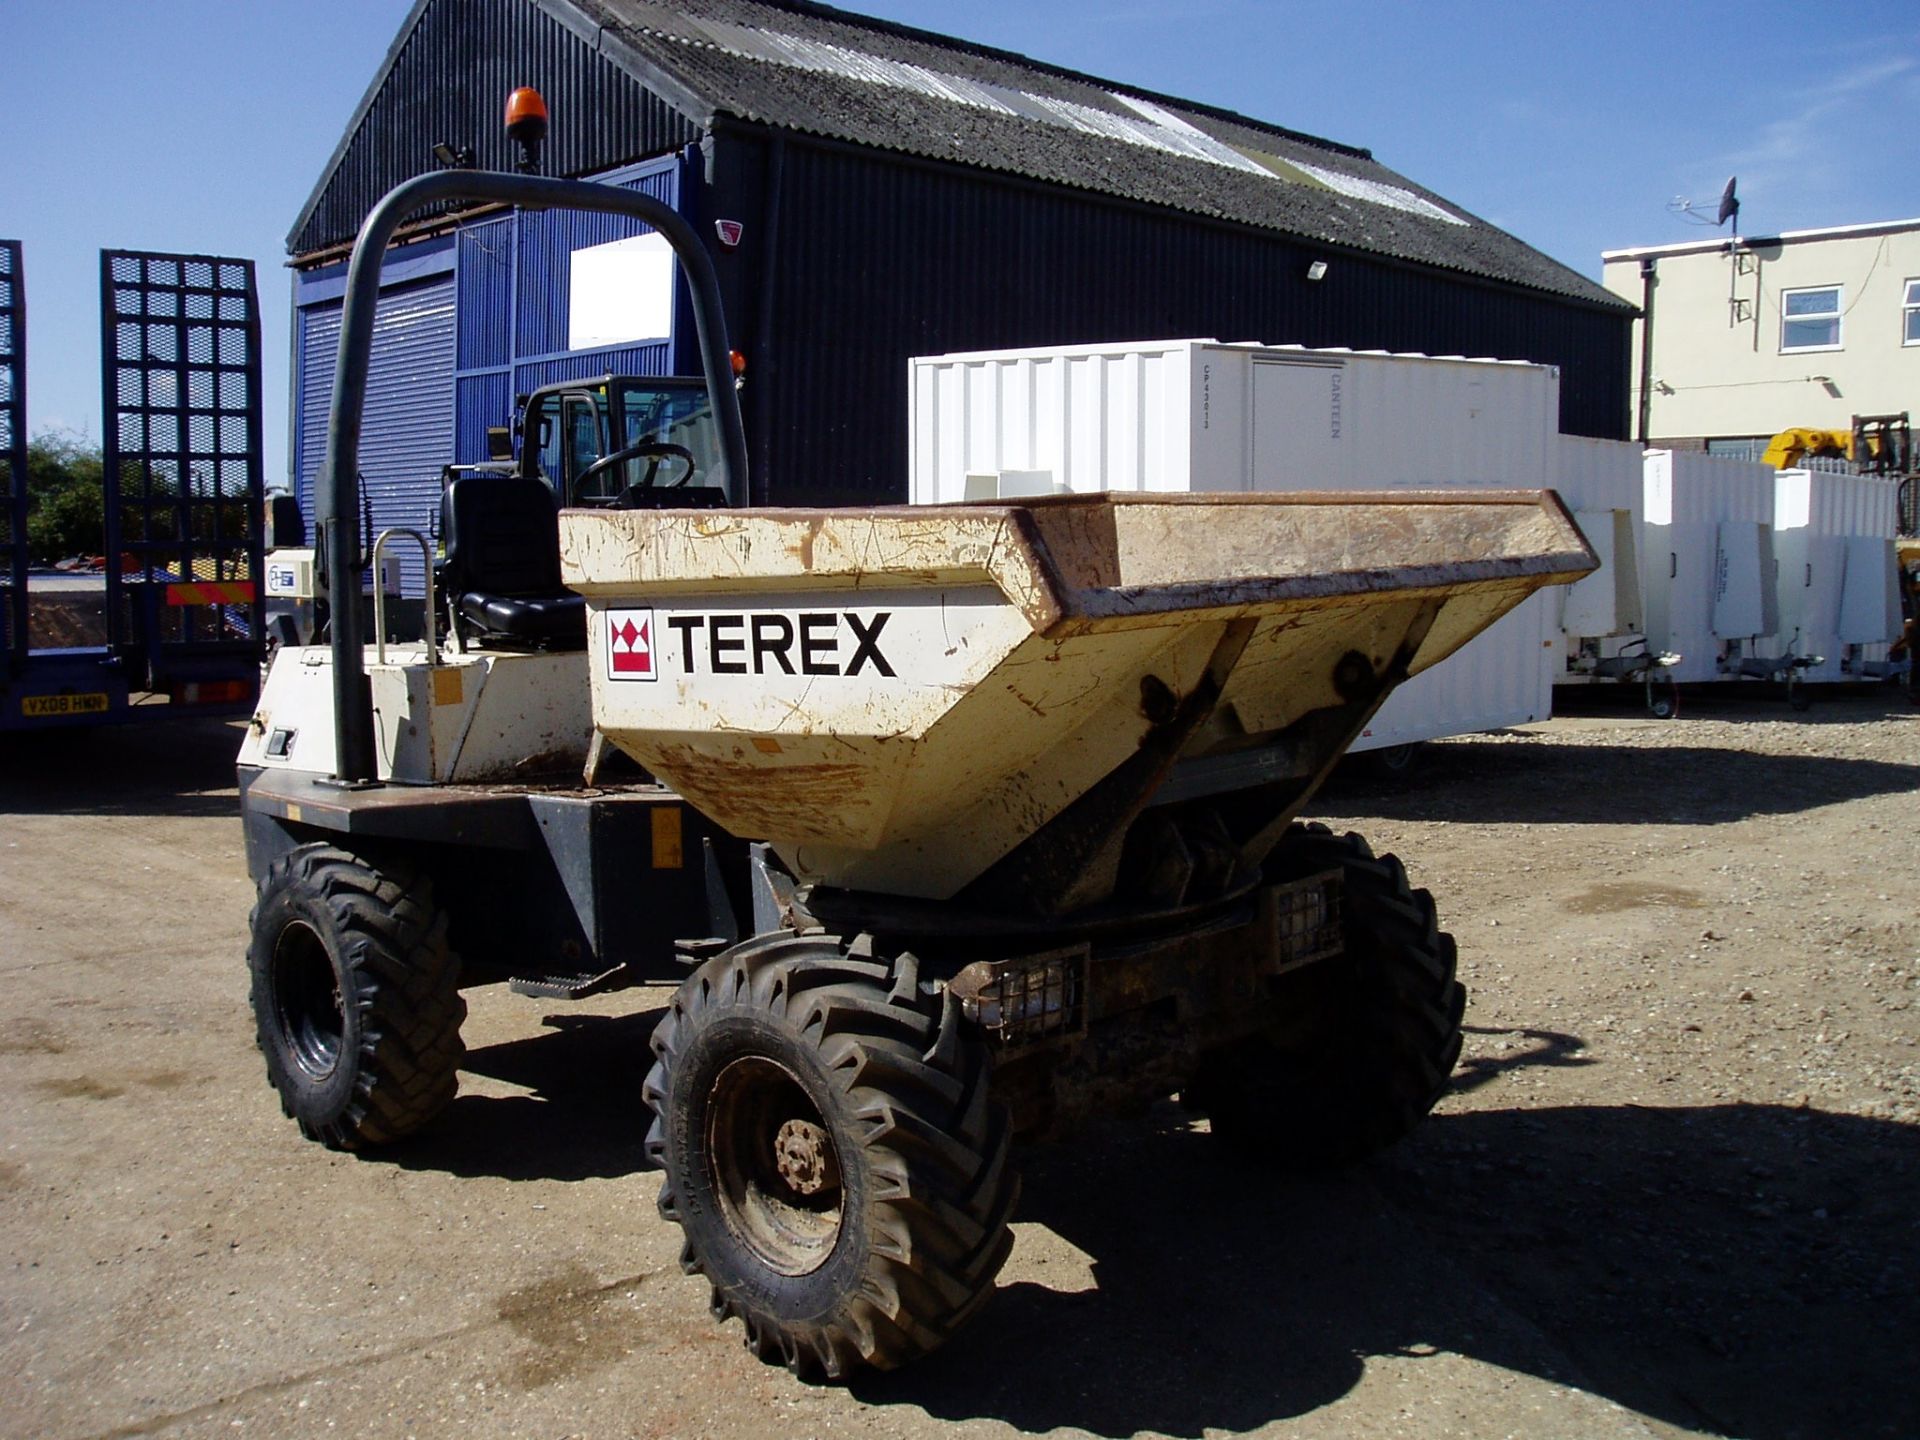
817,70
822,71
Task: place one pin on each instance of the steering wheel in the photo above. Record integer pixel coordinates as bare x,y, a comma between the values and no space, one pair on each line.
653,450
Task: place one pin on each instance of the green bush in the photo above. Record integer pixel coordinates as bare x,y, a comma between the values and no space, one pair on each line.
66,500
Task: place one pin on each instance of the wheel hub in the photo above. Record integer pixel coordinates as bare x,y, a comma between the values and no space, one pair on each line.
311,1006
804,1157
772,1165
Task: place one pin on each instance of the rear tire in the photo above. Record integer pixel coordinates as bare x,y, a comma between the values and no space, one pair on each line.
355,997
1369,1041
830,1152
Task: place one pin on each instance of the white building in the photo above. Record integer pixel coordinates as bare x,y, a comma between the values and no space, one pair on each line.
1759,334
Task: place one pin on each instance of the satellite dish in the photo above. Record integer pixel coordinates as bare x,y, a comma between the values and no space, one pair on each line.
1729,205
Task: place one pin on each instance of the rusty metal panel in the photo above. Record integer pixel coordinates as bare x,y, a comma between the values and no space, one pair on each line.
895,698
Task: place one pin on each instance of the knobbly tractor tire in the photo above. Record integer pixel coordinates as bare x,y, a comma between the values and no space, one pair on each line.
1368,1041
830,1153
355,996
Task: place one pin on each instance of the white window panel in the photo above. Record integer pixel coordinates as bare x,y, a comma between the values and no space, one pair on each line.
1810,319
1910,315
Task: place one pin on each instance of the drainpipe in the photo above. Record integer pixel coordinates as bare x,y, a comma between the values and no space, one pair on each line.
1647,263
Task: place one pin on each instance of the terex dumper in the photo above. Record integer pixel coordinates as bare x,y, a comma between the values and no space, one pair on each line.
950,823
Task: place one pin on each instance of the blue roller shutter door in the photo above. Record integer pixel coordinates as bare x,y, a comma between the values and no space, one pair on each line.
408,431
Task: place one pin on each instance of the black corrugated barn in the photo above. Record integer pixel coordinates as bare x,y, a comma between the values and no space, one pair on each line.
897,193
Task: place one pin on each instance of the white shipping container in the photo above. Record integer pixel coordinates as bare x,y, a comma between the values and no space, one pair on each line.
1199,415
1708,550
1183,415
1837,582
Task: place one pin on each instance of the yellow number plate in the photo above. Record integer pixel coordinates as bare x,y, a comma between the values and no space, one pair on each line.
42,707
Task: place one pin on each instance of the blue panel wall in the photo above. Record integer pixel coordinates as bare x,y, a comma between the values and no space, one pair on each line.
548,240
639,360
513,277
479,400
485,270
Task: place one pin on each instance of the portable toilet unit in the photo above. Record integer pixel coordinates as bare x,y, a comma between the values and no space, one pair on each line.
1604,615
1200,415
1709,560
1838,580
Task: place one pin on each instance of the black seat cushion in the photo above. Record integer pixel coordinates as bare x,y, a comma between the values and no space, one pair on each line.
527,617
503,559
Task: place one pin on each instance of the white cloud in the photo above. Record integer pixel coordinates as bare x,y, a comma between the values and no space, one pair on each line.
1806,147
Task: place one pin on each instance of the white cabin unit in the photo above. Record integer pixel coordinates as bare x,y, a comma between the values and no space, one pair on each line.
1199,415
1838,579
1709,560
1602,483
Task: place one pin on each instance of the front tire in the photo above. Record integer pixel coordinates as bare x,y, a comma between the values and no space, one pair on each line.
355,997
1368,1041
830,1152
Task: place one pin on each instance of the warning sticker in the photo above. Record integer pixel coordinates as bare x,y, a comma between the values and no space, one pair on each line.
630,645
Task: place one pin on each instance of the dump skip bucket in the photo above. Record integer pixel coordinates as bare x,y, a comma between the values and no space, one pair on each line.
896,698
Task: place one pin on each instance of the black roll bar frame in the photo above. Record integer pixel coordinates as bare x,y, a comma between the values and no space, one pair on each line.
337,492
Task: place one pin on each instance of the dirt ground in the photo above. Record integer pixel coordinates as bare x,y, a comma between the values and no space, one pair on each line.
1672,1191
72,615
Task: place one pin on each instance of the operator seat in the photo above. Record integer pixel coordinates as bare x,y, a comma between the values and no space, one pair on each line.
502,568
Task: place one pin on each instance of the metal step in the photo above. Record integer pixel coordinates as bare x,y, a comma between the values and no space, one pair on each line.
568,987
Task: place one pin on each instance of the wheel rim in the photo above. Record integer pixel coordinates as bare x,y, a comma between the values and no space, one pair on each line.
773,1165
307,992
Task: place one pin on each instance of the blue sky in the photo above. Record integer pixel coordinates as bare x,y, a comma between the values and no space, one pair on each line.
203,124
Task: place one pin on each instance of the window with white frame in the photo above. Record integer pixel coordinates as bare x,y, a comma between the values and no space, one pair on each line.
1810,319
1910,315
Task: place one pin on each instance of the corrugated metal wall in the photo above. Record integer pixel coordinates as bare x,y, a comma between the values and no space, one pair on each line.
879,260
514,274
483,364
448,83
408,431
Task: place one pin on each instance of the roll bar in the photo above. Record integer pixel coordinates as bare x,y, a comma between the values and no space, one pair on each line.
337,493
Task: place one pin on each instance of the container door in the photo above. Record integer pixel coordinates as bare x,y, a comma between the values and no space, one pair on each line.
1743,581
1812,568
1680,596
180,355
13,455
1607,602
1300,421
1870,596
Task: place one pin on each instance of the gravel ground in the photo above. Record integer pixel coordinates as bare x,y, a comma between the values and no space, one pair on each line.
1670,1193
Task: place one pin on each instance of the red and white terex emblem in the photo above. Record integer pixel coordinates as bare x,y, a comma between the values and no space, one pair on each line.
729,232
630,645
